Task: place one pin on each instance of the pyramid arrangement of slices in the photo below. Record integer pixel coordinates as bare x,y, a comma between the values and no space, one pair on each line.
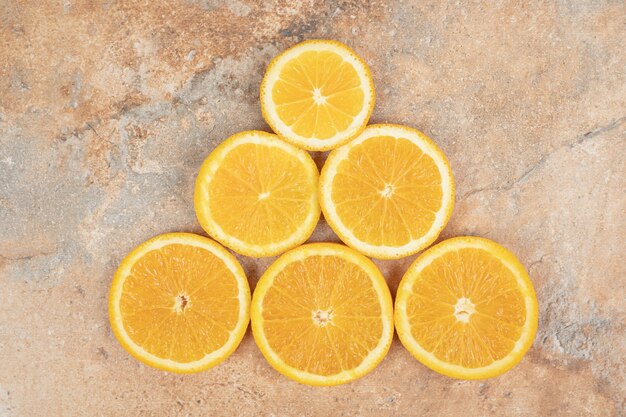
322,313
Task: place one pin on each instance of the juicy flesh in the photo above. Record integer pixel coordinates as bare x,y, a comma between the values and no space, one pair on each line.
322,315
466,308
260,194
318,94
387,191
180,302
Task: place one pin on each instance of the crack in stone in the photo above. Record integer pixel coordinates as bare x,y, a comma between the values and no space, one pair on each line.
26,257
538,262
602,129
539,164
101,138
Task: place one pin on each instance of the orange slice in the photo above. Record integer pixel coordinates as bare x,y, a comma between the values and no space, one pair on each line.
388,193
179,302
322,314
466,308
257,194
317,94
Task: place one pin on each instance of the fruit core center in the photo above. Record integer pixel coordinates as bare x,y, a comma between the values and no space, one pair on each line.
464,309
322,318
387,191
181,303
318,97
264,195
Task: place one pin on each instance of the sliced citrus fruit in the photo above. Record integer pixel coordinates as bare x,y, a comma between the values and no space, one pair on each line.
388,193
179,302
257,195
317,94
322,314
466,308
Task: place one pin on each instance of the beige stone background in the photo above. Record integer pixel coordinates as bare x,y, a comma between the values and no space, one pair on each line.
107,109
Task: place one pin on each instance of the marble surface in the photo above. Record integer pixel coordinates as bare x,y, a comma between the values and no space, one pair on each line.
107,109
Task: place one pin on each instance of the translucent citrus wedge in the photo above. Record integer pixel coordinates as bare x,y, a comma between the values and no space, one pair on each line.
317,94
388,193
257,195
322,314
466,308
179,302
